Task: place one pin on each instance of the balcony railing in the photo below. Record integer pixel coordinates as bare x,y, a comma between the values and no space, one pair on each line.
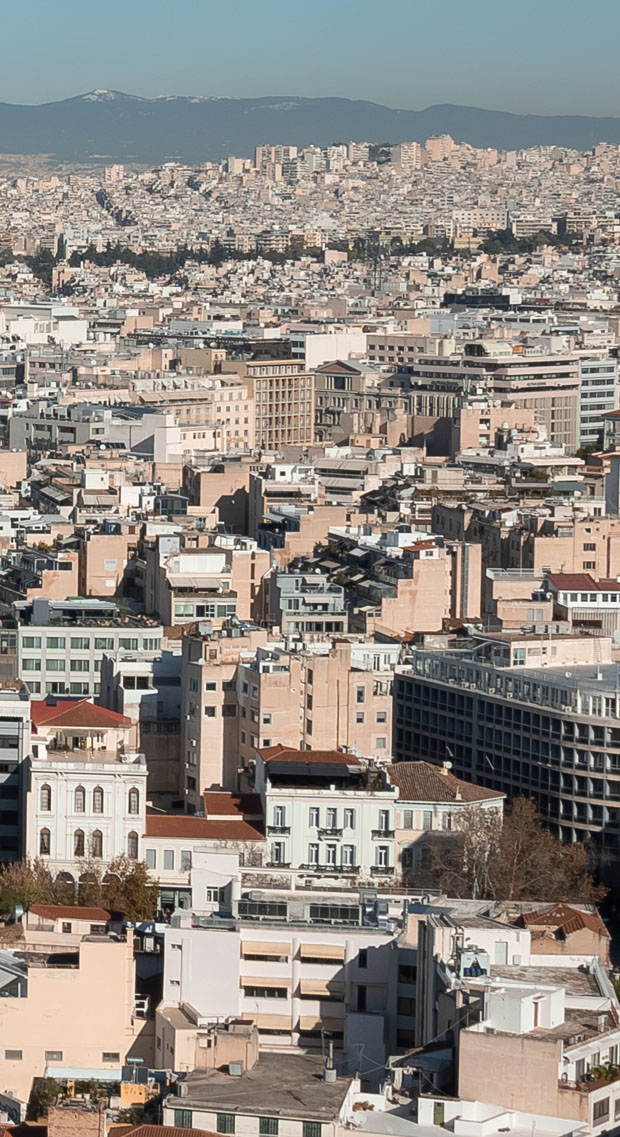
382,870
382,833
330,832
273,829
278,865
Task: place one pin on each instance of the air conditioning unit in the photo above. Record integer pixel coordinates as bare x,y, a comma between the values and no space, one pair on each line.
181,1089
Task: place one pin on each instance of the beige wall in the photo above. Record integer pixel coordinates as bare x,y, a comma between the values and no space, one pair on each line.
13,467
81,1012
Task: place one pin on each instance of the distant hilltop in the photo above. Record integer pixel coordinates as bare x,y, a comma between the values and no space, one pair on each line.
112,126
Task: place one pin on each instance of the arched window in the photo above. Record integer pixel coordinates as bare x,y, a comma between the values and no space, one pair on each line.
134,801
78,843
45,843
46,799
79,799
96,843
97,800
132,846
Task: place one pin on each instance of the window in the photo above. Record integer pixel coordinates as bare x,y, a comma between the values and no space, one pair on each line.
210,686
362,958
132,846
45,842
215,895
96,844
279,816
55,665
406,1006
56,643
348,856
360,695
134,801
407,819
151,858
225,1123
169,859
31,641
332,819
268,1127
330,856
600,1111
313,817
13,1055
53,1055
110,1056
186,860
182,1117
80,665
311,1129
427,819
349,819
313,855
97,800
78,843
45,799
79,799
446,821
130,644
80,643
384,820
229,711
407,973
31,664
210,712
359,717
381,857
104,643
381,716
591,565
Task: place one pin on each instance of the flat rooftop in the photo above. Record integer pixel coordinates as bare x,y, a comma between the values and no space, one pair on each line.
574,980
287,1085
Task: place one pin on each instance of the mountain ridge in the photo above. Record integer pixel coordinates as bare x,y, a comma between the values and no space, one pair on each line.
115,126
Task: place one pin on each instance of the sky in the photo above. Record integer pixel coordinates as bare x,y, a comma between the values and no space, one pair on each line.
528,56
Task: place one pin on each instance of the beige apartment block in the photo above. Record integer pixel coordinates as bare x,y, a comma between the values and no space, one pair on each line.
103,559
81,1014
283,401
222,486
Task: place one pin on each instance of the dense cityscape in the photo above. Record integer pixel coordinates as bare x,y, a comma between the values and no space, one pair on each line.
310,642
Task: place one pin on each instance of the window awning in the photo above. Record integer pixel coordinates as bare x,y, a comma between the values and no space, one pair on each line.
270,1022
322,988
264,981
322,951
311,1023
265,947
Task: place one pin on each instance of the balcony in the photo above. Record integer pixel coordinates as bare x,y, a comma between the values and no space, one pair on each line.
272,830
382,870
387,833
278,865
330,832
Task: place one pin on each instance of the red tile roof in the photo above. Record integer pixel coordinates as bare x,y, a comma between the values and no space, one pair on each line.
573,581
567,919
75,713
280,753
201,828
69,912
219,803
422,781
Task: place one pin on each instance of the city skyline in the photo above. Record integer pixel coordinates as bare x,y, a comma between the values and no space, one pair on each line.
409,58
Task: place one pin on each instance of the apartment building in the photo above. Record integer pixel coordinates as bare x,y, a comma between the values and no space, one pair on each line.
598,395
70,1004
432,806
212,581
326,812
306,604
60,644
297,965
539,721
283,401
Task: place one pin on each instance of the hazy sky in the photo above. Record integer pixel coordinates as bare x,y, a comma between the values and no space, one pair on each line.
532,56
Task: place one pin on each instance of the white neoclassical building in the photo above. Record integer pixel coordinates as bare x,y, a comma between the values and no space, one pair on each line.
85,794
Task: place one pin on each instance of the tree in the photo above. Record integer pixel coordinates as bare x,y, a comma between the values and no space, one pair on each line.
519,860
24,883
128,887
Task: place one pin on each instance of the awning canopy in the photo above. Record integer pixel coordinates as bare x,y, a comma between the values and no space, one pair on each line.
311,1023
322,951
264,981
270,1022
322,988
265,947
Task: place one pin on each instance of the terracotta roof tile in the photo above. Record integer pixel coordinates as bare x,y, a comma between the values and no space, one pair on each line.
219,803
568,919
68,912
76,713
280,753
422,781
201,828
